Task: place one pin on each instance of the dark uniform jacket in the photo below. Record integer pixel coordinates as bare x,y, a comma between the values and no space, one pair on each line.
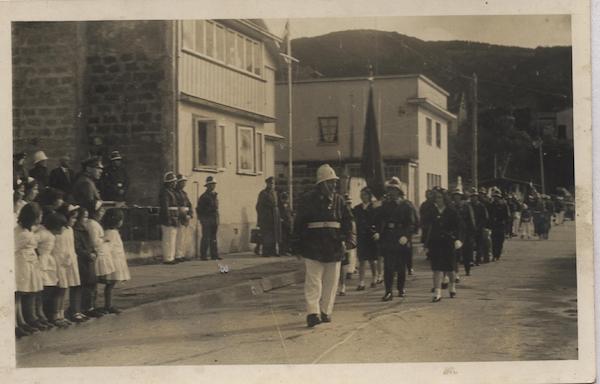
498,214
183,201
84,248
468,223
207,208
267,210
40,174
62,180
393,221
426,212
168,213
321,226
444,230
85,193
114,183
481,215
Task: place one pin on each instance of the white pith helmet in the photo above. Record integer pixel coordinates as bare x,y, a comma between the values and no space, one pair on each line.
325,172
39,156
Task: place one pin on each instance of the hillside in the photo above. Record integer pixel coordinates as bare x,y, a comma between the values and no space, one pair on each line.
509,76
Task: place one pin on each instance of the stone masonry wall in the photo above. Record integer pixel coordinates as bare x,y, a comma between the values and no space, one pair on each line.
128,93
45,89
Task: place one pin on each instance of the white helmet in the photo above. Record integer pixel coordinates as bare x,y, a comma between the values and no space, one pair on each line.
39,156
325,172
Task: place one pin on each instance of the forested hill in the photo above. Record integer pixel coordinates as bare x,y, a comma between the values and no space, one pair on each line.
538,78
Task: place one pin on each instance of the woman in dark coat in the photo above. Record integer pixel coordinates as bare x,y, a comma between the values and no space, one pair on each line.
367,247
442,244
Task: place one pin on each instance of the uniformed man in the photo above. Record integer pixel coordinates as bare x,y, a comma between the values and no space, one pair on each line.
63,177
207,211
285,211
323,231
40,171
395,226
168,217
85,192
115,181
481,219
499,216
269,221
185,215
468,228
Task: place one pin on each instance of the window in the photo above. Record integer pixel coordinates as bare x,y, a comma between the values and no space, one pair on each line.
260,155
429,133
433,180
240,51
561,132
246,149
249,57
188,34
220,43
223,45
438,135
199,36
205,144
328,130
231,51
257,53
210,39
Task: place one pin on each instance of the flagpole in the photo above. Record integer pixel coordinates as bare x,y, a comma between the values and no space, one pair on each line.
290,130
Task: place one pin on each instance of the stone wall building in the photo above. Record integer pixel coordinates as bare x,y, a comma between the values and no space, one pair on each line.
196,97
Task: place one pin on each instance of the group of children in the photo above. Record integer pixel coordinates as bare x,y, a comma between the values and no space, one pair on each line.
61,247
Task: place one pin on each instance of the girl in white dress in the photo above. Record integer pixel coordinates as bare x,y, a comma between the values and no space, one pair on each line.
27,269
68,267
104,264
113,220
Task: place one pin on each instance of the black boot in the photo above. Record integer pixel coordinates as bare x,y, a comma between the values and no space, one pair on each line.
325,318
312,320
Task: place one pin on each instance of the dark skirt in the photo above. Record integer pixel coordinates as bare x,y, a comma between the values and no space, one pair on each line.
366,250
87,272
442,257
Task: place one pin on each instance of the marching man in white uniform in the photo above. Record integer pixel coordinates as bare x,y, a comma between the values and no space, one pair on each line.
323,231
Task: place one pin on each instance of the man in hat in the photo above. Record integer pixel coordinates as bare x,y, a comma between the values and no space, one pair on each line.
269,221
168,217
85,193
207,210
498,218
395,226
40,171
323,232
115,181
185,215
62,177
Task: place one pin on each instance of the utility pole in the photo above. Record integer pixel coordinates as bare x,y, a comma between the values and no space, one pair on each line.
289,59
474,131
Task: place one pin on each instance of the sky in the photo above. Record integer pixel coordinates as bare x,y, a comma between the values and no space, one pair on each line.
519,30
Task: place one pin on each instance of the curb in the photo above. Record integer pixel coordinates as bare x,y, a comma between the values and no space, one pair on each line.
176,306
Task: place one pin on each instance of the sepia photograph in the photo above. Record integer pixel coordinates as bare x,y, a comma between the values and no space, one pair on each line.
286,191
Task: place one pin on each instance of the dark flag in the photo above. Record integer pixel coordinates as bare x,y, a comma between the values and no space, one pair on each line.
372,164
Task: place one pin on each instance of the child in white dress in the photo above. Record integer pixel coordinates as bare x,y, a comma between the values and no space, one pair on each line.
68,268
104,264
113,220
27,270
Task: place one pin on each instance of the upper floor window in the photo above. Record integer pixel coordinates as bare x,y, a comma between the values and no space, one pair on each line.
438,135
328,130
429,131
223,44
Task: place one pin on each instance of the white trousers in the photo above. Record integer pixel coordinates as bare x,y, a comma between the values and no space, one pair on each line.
516,222
527,230
320,285
182,241
169,242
